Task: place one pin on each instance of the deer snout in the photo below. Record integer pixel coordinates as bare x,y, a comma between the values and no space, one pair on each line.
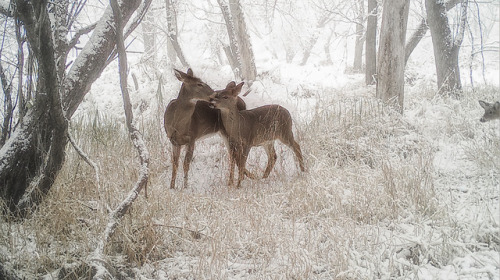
212,100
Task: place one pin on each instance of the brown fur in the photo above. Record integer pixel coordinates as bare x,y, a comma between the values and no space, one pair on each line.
491,111
257,127
189,117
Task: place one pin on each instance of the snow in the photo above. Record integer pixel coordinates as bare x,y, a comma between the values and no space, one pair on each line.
304,232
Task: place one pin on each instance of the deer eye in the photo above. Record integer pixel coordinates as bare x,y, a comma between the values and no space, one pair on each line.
225,97
200,84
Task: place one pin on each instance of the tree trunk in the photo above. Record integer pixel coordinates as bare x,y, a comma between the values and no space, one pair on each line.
445,49
149,37
326,47
391,54
314,37
32,157
371,43
415,39
422,28
232,51
175,47
8,108
248,70
358,47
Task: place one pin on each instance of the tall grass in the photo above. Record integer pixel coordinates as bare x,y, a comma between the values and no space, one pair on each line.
369,171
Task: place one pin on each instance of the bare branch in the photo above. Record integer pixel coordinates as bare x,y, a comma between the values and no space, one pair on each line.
422,29
135,23
87,159
463,21
117,214
78,34
92,60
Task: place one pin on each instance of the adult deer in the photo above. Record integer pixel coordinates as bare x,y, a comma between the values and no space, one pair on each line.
256,127
190,117
491,111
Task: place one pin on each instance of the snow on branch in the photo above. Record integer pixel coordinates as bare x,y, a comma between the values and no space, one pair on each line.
135,23
89,65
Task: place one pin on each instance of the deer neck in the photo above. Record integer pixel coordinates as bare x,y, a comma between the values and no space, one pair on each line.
232,122
185,102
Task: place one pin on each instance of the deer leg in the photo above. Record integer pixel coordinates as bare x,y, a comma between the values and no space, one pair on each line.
271,158
232,163
250,174
241,162
187,162
290,142
176,151
298,154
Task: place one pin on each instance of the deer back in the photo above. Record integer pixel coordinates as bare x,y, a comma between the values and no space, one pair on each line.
260,125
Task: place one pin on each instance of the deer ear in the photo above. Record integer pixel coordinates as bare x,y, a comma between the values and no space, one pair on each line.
231,84
497,105
482,103
190,72
237,89
180,75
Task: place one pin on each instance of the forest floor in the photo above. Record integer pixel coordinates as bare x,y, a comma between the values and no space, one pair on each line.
385,196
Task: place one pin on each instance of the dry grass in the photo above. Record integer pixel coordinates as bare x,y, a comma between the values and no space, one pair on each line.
368,171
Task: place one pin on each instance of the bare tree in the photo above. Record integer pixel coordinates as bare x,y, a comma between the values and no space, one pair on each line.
391,54
422,28
232,50
446,46
248,69
239,52
39,141
149,31
8,107
371,43
360,38
173,46
324,19
117,214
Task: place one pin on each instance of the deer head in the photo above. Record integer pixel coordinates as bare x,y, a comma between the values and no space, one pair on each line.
491,111
227,98
193,88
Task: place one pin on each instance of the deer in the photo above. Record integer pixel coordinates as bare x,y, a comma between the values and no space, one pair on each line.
250,128
491,111
190,117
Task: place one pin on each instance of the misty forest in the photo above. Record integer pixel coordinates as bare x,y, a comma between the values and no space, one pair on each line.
239,139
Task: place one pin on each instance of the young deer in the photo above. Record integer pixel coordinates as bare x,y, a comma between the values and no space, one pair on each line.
190,117
255,127
491,111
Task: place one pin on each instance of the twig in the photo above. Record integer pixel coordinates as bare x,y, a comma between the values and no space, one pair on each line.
117,214
196,234
87,159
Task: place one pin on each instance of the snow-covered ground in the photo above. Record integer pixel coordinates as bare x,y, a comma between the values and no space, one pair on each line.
385,196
